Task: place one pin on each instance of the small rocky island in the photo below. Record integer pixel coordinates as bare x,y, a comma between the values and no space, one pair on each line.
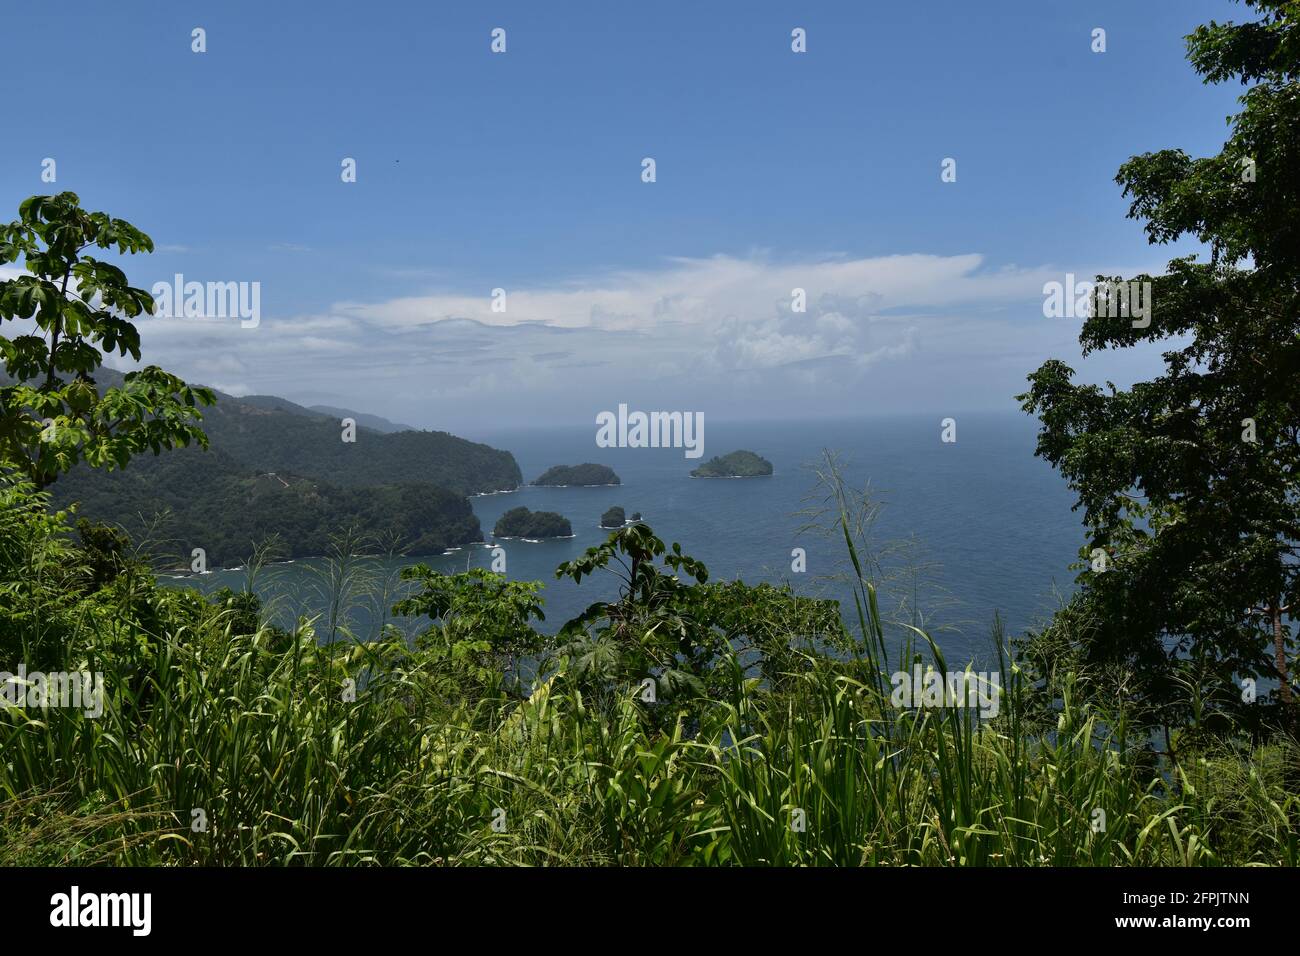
739,464
522,523
562,476
615,517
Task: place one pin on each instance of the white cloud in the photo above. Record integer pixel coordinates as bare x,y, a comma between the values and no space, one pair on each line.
696,292
716,333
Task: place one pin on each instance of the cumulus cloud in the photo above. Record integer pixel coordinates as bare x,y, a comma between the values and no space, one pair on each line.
695,292
718,333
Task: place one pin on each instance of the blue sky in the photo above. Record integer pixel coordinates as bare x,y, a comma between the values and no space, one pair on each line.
522,171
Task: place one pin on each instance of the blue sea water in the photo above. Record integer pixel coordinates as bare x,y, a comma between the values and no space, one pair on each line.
968,529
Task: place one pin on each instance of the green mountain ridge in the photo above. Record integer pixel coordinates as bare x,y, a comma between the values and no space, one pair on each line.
332,412
276,468
376,422
291,438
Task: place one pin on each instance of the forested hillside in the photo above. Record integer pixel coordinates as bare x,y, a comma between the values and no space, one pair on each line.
190,499
277,469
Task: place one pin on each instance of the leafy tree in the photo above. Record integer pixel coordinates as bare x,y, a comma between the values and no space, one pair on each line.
40,576
54,415
649,632
685,634
105,550
1188,482
482,622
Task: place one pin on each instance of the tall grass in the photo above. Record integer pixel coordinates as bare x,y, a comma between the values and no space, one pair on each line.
227,748
285,772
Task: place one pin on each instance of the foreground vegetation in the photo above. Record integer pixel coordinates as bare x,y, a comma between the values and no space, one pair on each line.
1187,482
771,739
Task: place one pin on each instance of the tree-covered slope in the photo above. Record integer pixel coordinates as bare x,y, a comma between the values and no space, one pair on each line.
275,468
310,443
376,422
191,499
267,433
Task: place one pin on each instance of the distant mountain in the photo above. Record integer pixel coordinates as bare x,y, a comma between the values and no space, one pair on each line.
274,439
267,433
361,418
278,467
276,404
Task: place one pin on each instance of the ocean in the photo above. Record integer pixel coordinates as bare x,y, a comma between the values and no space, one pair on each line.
964,530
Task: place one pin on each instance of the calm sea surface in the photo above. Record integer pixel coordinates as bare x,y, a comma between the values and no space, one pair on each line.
965,530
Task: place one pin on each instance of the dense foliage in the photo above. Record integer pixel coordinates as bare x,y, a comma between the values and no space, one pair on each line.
767,741
522,523
52,415
1189,483
585,474
737,464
